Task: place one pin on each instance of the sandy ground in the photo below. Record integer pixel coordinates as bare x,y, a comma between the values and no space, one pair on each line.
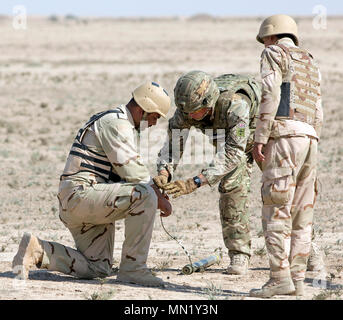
55,74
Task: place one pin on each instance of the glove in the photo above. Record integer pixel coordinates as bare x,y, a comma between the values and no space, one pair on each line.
180,187
161,180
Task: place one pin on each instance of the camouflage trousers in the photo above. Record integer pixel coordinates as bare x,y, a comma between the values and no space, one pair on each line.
288,194
90,212
233,205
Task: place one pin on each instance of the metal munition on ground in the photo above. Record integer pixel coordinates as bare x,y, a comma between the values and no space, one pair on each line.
200,265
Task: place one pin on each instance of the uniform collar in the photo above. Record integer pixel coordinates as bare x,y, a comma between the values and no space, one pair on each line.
128,113
286,41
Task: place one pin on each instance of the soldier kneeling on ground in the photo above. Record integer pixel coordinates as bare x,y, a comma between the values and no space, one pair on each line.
105,180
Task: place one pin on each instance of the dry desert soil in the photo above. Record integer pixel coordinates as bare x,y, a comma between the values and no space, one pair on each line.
59,71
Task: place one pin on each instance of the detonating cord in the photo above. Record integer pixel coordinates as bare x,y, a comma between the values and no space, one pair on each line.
174,238
184,249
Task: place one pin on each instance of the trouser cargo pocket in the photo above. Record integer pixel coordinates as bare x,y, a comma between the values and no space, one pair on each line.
277,189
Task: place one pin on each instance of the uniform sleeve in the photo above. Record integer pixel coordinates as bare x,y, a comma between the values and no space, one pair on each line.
318,121
172,150
272,64
117,138
230,155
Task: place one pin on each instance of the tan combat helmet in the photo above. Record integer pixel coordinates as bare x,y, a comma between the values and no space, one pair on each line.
278,24
195,90
151,97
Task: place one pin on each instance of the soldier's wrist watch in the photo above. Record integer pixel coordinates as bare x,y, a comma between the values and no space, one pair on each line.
197,181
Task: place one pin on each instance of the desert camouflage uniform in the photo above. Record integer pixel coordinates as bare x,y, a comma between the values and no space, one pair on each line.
290,128
232,164
104,180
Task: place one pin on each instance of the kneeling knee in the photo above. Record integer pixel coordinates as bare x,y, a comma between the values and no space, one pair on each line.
145,194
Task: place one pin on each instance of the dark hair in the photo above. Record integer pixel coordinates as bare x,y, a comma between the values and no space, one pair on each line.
286,35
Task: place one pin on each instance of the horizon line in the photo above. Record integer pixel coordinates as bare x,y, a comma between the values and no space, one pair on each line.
197,15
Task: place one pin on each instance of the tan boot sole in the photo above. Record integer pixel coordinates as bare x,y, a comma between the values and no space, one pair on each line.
21,263
298,294
237,272
285,290
141,282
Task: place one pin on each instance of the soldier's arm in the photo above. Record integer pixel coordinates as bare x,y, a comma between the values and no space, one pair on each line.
172,150
117,137
230,155
272,64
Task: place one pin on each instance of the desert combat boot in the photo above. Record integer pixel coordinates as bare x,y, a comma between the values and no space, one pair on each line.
239,263
315,261
299,288
273,287
30,253
142,277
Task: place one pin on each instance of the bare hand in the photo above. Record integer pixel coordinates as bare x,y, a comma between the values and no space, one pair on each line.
163,202
165,207
257,152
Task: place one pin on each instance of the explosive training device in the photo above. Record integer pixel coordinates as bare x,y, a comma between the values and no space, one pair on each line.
200,265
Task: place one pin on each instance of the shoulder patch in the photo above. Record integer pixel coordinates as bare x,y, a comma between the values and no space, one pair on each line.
240,131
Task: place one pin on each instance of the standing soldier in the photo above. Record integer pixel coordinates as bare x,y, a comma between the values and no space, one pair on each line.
286,137
230,103
105,180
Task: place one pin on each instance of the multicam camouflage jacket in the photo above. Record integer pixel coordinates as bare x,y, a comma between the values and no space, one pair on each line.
234,115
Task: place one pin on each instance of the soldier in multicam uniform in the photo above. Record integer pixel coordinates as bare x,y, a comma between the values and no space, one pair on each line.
105,180
286,138
229,103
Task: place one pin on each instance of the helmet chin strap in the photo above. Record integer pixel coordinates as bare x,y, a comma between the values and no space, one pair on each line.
213,108
212,113
143,118
204,115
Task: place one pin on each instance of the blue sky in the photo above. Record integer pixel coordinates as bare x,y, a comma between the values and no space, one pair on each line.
170,8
